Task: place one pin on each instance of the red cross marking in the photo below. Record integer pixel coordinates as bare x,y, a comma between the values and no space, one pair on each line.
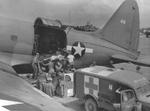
91,85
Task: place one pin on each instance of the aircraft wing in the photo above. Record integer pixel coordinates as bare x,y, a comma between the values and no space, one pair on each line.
16,94
7,103
122,58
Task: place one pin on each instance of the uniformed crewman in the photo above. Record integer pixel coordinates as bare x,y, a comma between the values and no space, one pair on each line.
35,65
70,58
41,80
44,83
57,65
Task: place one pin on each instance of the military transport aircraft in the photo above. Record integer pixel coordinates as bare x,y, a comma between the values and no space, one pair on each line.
21,38
117,42
24,31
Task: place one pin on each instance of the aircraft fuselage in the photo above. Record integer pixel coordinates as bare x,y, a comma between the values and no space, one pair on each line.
17,37
101,50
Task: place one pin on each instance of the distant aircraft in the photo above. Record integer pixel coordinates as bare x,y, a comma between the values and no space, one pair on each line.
21,37
147,33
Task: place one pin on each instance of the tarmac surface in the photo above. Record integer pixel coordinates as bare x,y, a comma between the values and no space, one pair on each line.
71,102
144,48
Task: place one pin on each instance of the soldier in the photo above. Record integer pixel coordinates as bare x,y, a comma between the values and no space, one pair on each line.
35,65
58,65
41,80
58,77
70,58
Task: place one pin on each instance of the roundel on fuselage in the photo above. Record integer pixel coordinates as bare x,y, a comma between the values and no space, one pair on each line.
78,49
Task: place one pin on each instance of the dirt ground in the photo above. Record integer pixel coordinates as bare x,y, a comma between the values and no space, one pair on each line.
71,102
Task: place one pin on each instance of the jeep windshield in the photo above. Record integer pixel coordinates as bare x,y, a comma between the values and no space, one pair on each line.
144,89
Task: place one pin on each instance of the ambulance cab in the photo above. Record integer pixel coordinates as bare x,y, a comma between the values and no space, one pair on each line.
109,89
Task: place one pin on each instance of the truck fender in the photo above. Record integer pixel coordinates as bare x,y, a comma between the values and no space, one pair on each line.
91,96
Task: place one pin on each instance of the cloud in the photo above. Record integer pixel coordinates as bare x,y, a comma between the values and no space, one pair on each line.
70,11
99,11
65,2
81,11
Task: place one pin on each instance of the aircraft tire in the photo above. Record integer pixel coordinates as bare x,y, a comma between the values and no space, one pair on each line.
90,105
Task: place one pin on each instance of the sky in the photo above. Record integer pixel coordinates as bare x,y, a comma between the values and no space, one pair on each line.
75,12
95,11
79,12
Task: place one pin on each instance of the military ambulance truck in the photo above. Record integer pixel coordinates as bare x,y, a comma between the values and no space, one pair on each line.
107,89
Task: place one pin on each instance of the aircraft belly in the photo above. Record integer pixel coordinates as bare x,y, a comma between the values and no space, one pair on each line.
14,59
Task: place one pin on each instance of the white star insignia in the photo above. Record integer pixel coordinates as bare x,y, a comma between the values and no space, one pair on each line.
78,49
7,103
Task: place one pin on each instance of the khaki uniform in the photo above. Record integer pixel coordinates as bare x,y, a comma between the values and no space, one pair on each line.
45,84
35,65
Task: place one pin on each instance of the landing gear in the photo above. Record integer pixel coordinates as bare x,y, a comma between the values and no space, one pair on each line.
90,105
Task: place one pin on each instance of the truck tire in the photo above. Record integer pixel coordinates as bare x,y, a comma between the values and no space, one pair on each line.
90,105
134,109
